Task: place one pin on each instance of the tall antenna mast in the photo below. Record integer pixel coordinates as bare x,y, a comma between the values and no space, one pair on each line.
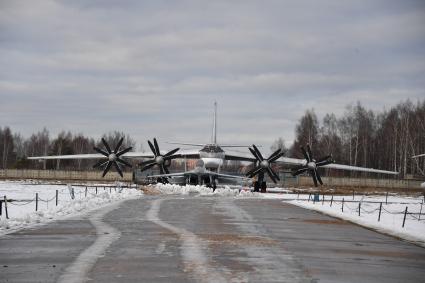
214,132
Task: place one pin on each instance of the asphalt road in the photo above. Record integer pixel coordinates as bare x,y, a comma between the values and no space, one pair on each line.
207,239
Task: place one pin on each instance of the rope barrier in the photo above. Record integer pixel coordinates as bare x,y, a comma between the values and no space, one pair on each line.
21,204
392,212
368,211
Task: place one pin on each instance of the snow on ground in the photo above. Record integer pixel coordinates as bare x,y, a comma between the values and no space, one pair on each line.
22,213
392,213
226,191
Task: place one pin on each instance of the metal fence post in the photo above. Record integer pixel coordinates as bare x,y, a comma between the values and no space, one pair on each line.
342,207
404,219
332,200
36,201
359,206
5,207
57,197
420,212
380,209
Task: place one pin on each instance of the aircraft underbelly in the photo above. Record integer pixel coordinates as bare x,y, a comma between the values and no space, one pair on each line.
212,162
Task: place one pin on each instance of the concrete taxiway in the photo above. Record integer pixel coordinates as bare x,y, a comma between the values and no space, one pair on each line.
206,239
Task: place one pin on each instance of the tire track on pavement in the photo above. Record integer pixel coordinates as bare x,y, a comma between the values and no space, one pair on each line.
77,272
192,248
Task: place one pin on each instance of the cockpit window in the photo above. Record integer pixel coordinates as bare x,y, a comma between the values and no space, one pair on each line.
211,148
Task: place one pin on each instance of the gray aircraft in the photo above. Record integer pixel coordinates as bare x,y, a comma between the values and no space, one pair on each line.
202,176
212,155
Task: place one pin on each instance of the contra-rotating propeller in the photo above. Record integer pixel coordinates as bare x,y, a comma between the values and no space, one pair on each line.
264,165
311,165
113,157
158,158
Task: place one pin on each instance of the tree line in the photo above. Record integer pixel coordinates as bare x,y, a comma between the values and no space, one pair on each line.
360,137
14,148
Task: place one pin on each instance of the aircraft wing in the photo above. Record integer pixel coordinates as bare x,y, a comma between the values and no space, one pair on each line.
92,156
296,161
207,172
238,156
355,168
181,174
419,155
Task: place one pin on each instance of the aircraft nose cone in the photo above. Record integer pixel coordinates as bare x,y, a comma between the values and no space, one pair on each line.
264,164
311,165
112,157
159,159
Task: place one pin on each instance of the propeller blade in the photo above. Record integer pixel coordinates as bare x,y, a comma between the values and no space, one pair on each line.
122,161
101,151
271,175
117,147
325,162
172,157
256,171
314,176
255,154
146,162
171,152
299,171
309,152
148,166
318,177
117,167
161,169
274,153
156,146
258,152
329,157
152,148
100,163
166,169
124,151
107,168
274,158
249,173
106,145
274,174
305,154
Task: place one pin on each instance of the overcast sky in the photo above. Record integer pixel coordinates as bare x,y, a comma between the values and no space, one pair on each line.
155,68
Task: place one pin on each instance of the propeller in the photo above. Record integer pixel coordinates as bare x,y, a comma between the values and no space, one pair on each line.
114,157
311,165
264,165
159,159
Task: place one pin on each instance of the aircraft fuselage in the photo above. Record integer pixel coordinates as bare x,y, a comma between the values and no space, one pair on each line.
212,155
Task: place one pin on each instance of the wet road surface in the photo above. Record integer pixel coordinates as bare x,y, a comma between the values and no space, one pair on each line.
207,239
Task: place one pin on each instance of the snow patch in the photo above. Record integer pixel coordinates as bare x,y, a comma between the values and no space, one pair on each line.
225,191
391,220
22,213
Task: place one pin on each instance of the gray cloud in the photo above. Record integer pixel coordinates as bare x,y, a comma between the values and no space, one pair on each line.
155,68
